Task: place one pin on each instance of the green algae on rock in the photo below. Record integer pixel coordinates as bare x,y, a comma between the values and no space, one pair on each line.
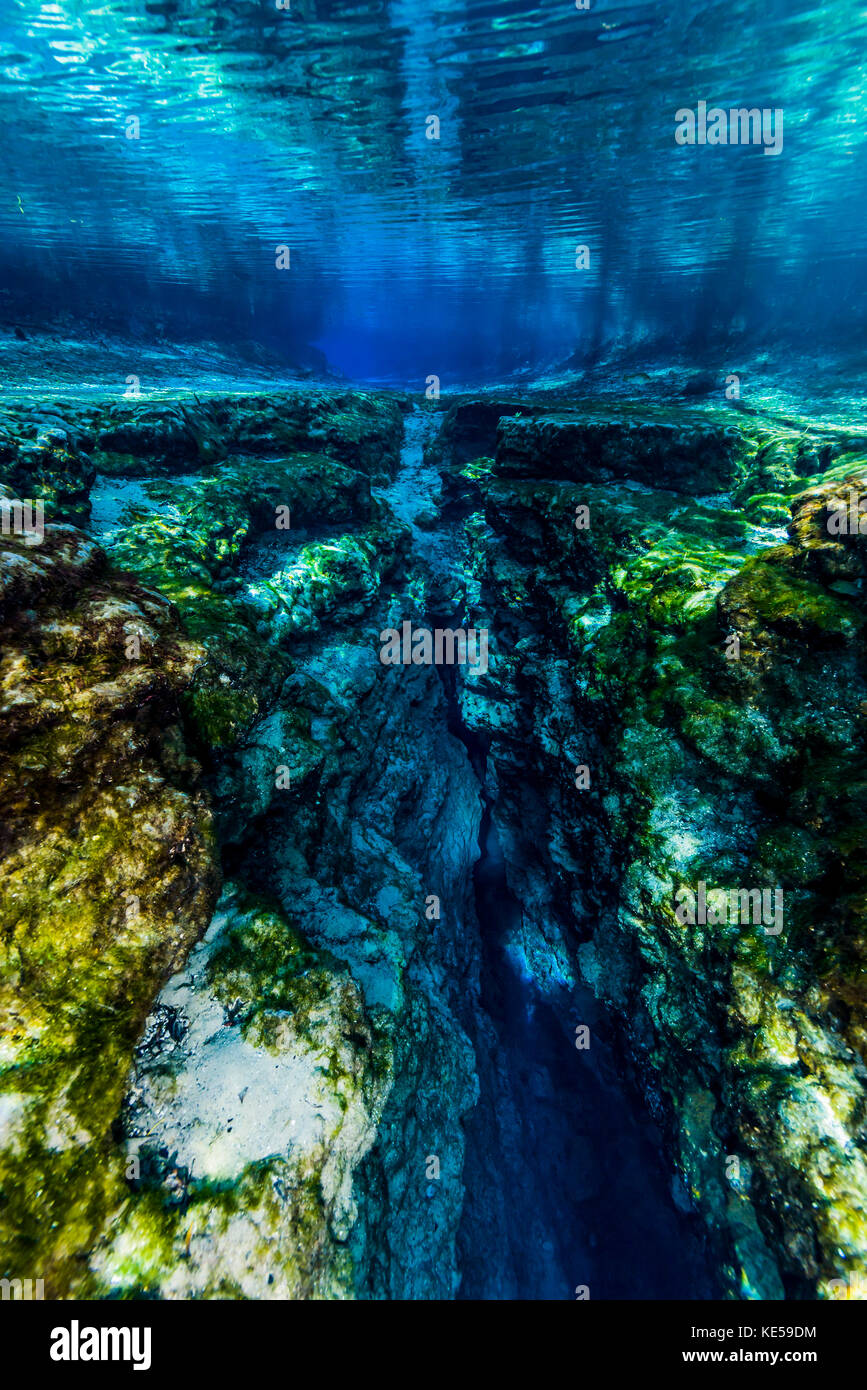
356,428
253,1116
277,615
253,1101
703,769
42,457
109,875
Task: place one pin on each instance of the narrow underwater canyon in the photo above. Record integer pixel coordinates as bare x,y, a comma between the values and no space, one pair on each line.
326,977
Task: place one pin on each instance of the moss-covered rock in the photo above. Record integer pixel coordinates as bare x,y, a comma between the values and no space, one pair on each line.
696,642
42,458
709,672
360,430
255,647
257,1089
109,875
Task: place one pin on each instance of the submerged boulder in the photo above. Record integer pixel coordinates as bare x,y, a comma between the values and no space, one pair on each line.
109,874
42,457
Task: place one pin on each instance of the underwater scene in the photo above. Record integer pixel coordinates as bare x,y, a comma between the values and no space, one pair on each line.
433,651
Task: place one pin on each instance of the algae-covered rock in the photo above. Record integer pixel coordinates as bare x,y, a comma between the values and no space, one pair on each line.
310,761
708,671
256,1094
132,437
695,451
239,619
42,458
276,1109
109,875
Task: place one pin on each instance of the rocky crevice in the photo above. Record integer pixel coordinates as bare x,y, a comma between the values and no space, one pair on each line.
340,1090
610,652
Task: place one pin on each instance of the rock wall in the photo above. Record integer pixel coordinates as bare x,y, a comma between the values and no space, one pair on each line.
244,1021
637,751
276,1113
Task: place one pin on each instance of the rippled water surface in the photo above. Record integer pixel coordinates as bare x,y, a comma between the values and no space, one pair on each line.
309,127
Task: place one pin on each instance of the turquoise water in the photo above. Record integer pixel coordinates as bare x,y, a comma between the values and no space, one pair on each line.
560,231
154,156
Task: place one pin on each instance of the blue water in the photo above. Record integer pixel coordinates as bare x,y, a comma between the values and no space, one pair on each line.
259,127
222,192
568,1193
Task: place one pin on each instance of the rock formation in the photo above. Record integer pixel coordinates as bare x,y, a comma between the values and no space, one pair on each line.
295,947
